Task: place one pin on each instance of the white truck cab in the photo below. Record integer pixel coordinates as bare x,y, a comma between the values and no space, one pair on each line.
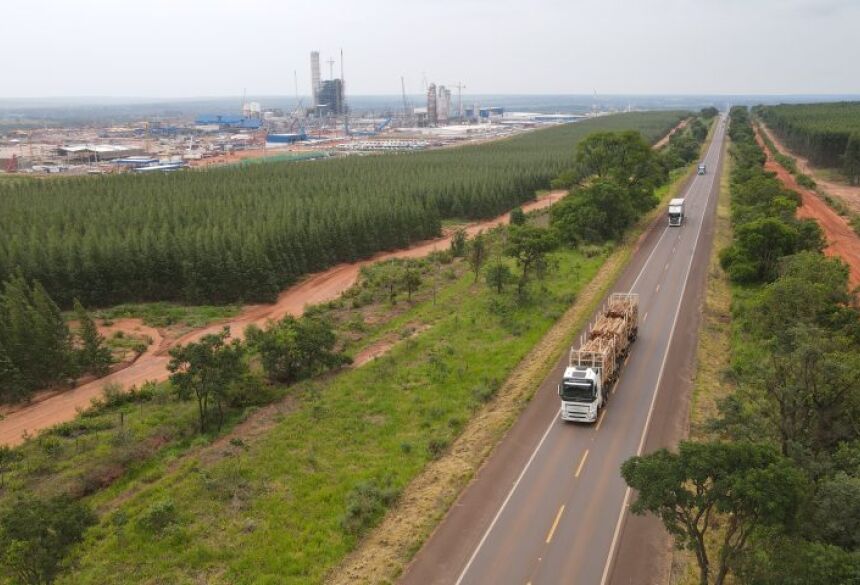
703,169
581,394
676,212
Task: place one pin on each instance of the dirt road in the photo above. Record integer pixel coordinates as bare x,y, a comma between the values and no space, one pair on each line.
842,241
152,365
665,140
848,194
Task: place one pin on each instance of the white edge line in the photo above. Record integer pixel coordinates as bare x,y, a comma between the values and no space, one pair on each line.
507,499
617,533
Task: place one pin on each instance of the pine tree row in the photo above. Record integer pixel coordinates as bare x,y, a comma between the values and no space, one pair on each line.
828,134
37,350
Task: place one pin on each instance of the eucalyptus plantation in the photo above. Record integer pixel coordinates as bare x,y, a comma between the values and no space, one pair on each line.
243,234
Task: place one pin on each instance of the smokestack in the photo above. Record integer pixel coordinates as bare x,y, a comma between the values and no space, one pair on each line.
315,77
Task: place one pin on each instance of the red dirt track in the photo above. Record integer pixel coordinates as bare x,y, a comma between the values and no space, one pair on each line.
152,365
850,195
842,241
665,140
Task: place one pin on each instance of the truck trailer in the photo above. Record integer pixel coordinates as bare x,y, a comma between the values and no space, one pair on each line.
594,367
676,212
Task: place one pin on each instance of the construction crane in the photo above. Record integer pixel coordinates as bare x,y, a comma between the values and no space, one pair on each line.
406,108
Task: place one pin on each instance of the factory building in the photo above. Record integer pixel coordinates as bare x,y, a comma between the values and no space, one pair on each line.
226,121
431,105
96,152
331,97
443,106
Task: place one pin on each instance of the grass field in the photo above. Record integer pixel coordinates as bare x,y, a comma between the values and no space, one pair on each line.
277,507
168,314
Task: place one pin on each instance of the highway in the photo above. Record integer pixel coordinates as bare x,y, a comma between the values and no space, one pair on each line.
549,505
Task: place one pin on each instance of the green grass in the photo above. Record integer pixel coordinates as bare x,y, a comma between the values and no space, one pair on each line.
167,314
712,355
271,512
118,440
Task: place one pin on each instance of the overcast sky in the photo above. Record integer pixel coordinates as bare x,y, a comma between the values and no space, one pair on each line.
184,48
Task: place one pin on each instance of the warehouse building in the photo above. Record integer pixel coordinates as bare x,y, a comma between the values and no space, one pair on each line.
91,153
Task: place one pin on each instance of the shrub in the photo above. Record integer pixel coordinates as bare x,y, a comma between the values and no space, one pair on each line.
366,503
159,516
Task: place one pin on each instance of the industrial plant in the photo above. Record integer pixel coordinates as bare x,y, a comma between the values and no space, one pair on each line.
322,124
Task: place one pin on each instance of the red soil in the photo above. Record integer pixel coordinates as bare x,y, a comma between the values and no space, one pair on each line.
134,328
152,365
665,140
841,239
849,194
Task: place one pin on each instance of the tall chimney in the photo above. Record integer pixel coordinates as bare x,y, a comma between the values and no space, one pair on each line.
315,77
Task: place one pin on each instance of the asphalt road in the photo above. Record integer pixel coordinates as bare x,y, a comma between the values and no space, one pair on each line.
549,506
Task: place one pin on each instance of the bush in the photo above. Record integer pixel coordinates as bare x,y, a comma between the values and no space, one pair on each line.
366,503
159,516
518,216
437,446
806,181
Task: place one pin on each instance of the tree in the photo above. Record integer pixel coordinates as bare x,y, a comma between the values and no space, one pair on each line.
206,369
851,160
390,277
758,246
742,486
294,349
811,289
52,340
93,356
498,275
458,243
477,254
835,517
709,112
594,214
11,382
528,245
518,216
623,157
784,560
36,535
411,279
811,389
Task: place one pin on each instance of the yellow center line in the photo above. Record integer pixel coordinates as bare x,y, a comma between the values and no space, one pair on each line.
554,524
581,463
600,421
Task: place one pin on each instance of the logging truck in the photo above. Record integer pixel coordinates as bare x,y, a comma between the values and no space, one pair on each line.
594,367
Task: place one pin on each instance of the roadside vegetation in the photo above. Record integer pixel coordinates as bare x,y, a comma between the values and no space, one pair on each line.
768,493
243,234
267,460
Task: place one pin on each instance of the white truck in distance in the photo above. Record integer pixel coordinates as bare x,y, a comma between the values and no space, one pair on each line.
594,367
676,212
703,170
